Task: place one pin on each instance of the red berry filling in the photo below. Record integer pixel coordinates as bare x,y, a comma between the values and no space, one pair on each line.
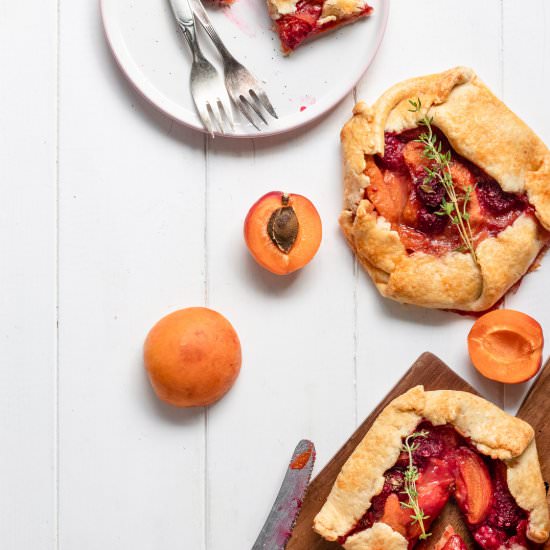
303,23
295,28
449,466
455,543
450,541
399,193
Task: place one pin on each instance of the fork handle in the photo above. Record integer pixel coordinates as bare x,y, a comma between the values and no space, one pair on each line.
190,33
202,16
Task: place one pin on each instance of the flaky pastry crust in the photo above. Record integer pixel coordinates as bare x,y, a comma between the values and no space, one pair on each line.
379,537
333,10
483,130
491,431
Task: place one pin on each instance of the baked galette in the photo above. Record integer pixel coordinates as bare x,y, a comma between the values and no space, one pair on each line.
425,448
446,192
298,20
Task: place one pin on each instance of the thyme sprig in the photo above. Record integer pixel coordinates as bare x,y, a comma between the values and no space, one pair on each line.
411,477
452,205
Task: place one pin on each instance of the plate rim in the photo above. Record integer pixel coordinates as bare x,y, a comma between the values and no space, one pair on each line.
161,102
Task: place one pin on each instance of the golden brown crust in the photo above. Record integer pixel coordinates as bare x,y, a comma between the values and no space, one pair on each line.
527,487
483,130
333,10
362,477
492,431
380,537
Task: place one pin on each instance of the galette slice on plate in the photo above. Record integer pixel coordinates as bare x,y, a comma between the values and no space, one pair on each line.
296,21
446,192
425,448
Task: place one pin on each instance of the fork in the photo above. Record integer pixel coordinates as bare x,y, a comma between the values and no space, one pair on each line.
243,88
205,81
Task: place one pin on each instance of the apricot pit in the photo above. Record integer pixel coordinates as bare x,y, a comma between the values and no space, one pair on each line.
283,232
283,226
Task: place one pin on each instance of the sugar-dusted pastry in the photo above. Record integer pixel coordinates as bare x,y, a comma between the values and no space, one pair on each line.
446,192
425,448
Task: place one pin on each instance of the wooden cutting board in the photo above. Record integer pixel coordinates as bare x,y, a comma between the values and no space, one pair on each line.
433,374
535,409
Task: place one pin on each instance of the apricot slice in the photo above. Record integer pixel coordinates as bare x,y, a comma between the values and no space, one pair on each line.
413,155
474,490
434,490
462,176
283,232
193,357
506,346
395,515
388,194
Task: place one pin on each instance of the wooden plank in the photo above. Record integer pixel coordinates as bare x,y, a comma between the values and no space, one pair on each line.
435,38
297,331
131,250
526,79
28,149
391,335
534,410
429,371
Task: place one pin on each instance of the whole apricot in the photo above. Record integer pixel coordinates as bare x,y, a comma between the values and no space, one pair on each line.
192,357
283,232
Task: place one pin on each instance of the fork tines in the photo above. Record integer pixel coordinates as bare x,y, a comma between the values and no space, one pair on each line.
247,94
216,119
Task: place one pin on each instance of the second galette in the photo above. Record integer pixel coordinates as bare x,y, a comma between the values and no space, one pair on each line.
446,192
425,448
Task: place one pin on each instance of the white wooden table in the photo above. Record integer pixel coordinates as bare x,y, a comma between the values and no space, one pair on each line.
112,216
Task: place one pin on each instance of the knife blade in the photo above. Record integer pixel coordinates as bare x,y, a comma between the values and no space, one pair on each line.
282,518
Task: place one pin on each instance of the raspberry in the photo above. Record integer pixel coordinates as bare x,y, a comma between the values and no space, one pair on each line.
431,223
430,199
497,201
393,153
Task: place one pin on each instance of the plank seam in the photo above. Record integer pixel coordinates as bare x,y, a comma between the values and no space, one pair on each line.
56,423
355,320
355,339
206,509
503,396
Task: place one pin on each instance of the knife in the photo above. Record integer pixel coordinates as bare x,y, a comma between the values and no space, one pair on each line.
282,518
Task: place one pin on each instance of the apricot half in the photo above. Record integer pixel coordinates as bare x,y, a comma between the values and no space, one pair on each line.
506,346
193,357
283,232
